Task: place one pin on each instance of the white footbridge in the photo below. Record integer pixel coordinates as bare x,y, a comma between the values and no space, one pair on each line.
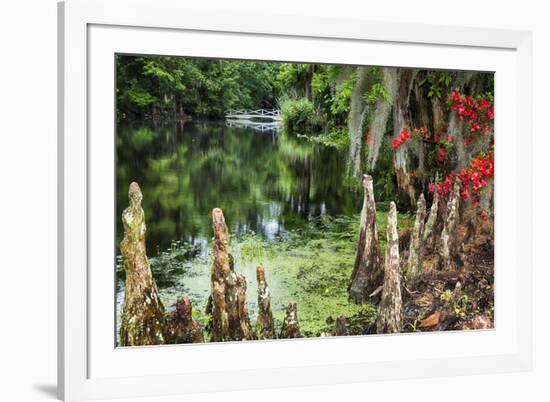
258,119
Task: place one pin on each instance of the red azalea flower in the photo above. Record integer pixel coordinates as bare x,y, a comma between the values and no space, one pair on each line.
484,215
441,155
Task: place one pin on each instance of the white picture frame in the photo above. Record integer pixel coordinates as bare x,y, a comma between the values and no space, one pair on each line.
91,32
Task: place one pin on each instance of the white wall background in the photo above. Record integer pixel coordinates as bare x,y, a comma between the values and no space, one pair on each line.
28,199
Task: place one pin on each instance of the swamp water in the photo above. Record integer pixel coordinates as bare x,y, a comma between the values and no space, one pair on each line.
285,202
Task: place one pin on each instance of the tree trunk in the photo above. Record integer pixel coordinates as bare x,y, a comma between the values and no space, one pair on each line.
400,122
439,115
414,260
229,314
422,119
423,105
290,327
455,131
265,327
390,315
182,327
367,273
447,244
142,320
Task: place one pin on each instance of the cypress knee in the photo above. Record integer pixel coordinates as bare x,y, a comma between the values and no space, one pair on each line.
142,321
367,273
341,326
447,243
290,327
390,315
182,327
414,260
239,321
229,313
429,230
265,327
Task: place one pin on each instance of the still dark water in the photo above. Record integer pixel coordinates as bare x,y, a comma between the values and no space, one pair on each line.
267,183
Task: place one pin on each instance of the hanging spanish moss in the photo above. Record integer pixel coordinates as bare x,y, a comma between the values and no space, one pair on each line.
381,114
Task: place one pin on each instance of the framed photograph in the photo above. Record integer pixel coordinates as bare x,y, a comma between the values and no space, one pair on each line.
251,202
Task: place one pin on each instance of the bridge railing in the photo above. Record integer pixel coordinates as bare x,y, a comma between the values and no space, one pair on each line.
253,113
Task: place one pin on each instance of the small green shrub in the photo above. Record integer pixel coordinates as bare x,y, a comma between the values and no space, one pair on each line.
299,116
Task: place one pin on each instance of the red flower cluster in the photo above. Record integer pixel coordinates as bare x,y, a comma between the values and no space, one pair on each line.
422,133
404,136
444,187
477,112
441,155
477,176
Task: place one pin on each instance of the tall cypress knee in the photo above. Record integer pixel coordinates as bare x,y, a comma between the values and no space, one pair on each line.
265,327
428,237
230,320
414,260
367,273
390,315
447,243
142,320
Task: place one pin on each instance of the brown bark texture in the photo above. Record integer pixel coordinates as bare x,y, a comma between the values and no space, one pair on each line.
182,328
390,314
341,326
142,320
414,260
230,320
291,326
367,272
429,229
439,114
401,120
265,326
447,242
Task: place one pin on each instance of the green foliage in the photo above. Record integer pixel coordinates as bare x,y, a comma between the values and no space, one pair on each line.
342,96
376,91
151,86
299,116
337,138
460,305
437,81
